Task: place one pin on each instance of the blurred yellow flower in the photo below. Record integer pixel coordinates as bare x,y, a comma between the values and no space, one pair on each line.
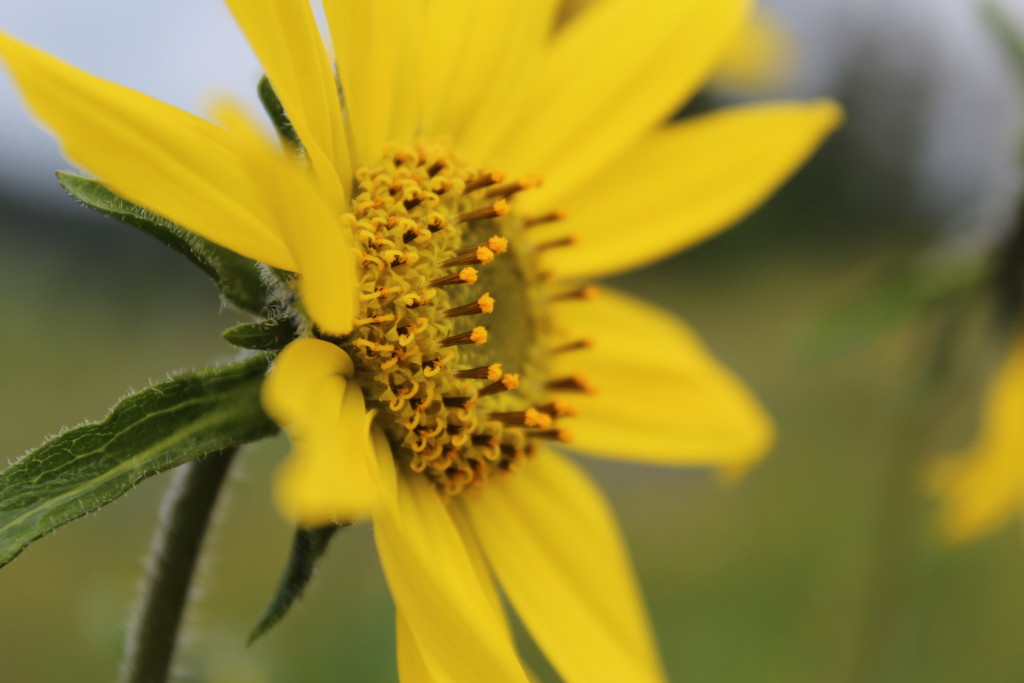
984,488
414,207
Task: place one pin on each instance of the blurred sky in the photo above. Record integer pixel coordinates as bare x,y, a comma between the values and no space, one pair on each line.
931,97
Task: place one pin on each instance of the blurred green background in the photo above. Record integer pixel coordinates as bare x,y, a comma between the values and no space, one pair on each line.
823,565
773,579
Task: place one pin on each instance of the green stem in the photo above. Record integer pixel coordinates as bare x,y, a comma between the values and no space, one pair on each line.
890,620
185,516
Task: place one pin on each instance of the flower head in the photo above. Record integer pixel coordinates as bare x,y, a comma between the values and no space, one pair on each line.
435,231
984,488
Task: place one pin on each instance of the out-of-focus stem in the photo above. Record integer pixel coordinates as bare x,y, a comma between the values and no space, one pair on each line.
896,563
185,516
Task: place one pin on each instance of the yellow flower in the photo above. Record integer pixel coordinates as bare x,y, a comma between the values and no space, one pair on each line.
444,324
984,488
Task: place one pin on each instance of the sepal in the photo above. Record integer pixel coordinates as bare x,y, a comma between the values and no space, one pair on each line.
275,110
237,277
271,334
308,546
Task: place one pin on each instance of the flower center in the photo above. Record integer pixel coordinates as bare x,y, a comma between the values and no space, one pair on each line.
453,341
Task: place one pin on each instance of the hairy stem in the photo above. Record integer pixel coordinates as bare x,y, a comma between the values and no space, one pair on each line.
184,518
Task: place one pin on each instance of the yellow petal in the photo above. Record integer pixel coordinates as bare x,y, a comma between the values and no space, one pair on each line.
327,477
479,562
384,471
686,183
321,246
377,47
555,547
457,31
618,69
436,587
985,488
660,396
171,162
760,58
480,61
412,668
299,368
284,35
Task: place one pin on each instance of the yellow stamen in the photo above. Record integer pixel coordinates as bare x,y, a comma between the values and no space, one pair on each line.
484,180
498,208
478,335
466,276
485,304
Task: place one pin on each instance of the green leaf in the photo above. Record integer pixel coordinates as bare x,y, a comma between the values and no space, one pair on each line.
158,428
275,110
264,335
237,277
308,546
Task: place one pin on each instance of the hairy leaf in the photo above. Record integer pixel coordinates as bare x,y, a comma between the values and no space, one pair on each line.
161,427
264,335
237,276
308,546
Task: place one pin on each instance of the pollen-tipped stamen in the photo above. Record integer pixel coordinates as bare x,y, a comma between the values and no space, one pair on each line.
491,372
531,417
498,208
478,335
499,245
480,255
483,180
466,276
485,304
506,383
